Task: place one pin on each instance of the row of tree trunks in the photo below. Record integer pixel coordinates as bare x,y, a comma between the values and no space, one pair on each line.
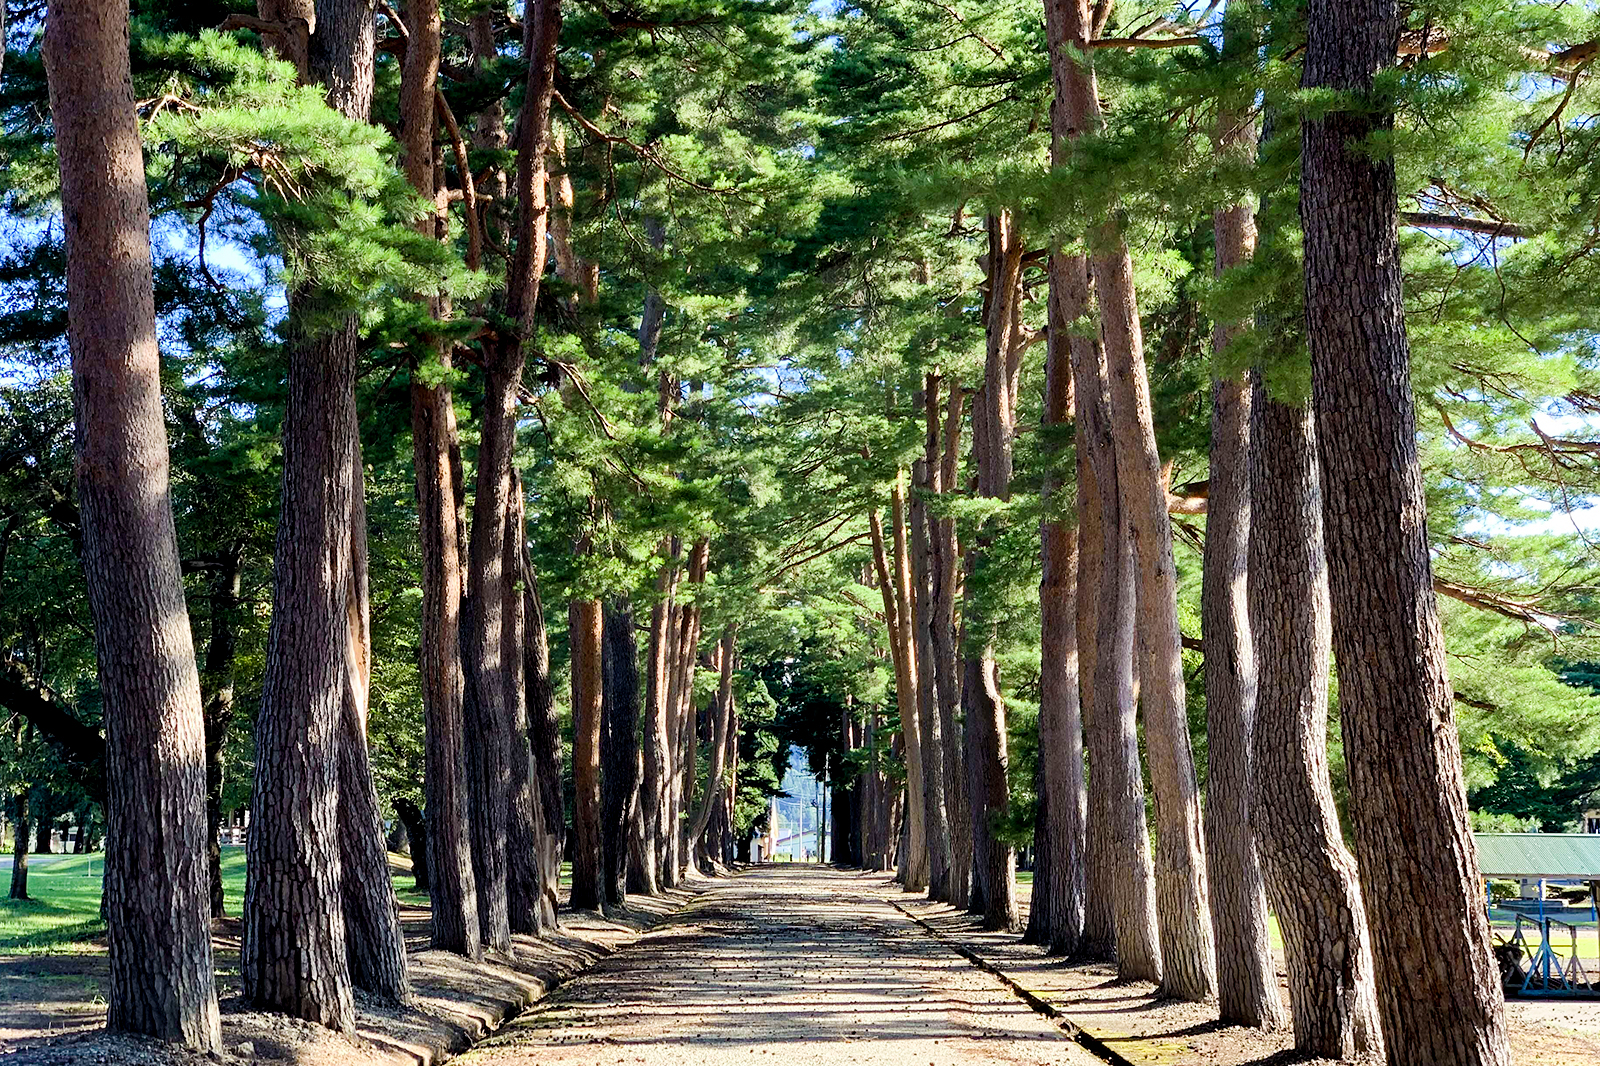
156,875
1187,960
894,585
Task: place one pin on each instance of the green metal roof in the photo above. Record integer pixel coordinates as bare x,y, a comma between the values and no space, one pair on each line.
1558,856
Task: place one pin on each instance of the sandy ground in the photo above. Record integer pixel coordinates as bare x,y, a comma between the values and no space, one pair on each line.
804,963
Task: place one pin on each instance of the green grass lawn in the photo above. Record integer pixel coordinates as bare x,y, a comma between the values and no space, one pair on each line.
63,915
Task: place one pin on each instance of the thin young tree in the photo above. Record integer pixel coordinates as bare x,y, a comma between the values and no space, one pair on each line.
1407,797
156,878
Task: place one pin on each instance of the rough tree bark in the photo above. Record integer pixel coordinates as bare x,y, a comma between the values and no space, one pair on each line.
1407,798
619,744
935,824
373,939
1120,917
155,879
914,872
1247,991
453,893
544,732
1056,913
1310,876
488,659
993,414
524,872
721,722
1189,967
947,673
584,630
914,875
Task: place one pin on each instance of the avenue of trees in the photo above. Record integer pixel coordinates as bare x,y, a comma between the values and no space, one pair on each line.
1149,440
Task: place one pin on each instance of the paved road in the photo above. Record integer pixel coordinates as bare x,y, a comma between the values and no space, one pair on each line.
794,962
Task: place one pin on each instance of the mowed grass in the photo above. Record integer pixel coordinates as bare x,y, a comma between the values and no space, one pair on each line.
62,917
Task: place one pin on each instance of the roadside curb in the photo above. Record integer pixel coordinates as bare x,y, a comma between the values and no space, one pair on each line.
1077,1033
469,1016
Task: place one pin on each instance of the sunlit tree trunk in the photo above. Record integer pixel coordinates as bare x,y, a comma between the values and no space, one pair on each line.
1407,798
935,825
1247,990
584,630
1311,878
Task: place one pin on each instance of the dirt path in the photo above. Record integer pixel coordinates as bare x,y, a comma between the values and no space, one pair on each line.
791,961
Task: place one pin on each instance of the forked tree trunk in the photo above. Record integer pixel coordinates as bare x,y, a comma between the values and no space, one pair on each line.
1056,912
1310,877
619,744
1120,916
584,627
155,879
1247,990
376,946
1407,799
1189,967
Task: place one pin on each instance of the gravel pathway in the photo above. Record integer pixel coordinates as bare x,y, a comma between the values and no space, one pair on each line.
793,961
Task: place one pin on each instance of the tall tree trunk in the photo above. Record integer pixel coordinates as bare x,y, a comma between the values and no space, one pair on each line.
1189,967
544,732
1311,878
216,687
914,873
19,847
935,825
1247,991
1407,798
155,879
524,872
376,946
619,744
490,573
655,792
722,717
1056,913
416,827
453,892
584,628
1120,915
947,674
992,425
